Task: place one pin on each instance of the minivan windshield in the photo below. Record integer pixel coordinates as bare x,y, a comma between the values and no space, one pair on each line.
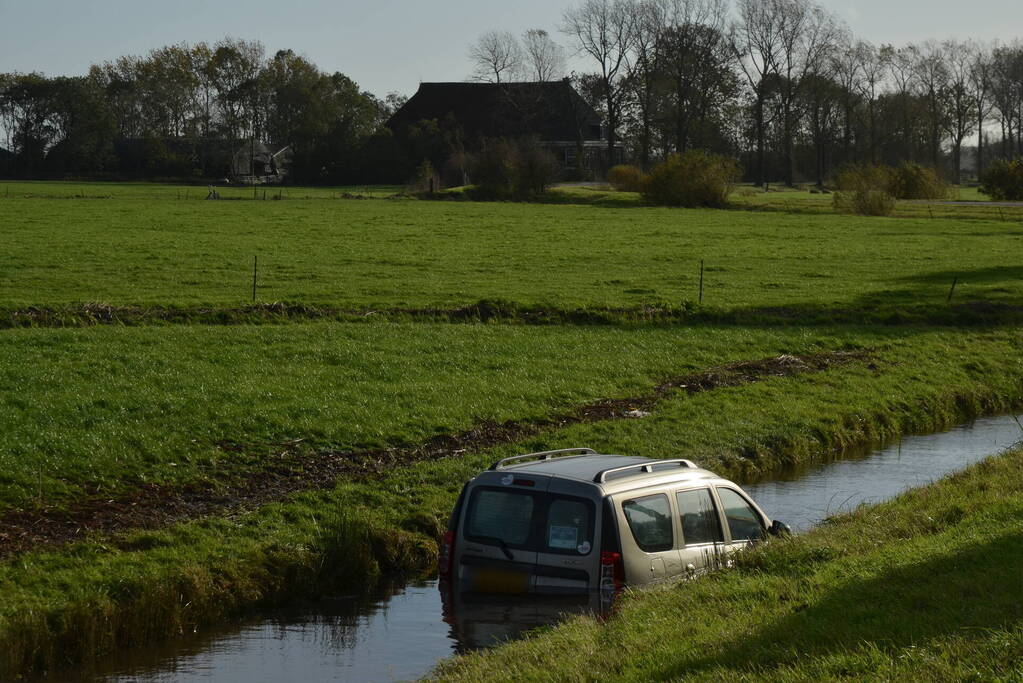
528,520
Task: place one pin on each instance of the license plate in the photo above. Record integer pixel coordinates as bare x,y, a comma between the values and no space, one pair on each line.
486,580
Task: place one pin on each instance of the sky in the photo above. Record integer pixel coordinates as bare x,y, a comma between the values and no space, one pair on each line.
392,45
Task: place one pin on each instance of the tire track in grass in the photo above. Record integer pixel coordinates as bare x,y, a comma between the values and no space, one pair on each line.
297,468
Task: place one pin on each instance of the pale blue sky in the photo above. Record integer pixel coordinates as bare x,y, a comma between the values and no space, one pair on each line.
389,45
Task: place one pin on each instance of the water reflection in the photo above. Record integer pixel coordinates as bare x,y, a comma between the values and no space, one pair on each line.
400,632
480,621
802,497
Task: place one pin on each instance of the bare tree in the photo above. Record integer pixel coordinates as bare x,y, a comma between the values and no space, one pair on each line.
544,59
980,85
846,69
807,36
1007,94
932,79
643,72
756,42
606,31
903,77
872,71
496,55
958,98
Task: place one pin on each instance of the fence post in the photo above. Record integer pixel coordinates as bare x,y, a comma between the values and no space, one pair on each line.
701,281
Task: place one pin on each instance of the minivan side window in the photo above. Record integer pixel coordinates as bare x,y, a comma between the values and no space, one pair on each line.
699,517
649,520
507,515
743,520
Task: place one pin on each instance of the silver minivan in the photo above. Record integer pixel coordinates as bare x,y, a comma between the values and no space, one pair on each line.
574,520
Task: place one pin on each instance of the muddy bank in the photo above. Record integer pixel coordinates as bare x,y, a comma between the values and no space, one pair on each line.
298,467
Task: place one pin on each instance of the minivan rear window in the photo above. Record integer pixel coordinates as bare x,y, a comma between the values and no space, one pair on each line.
506,515
543,522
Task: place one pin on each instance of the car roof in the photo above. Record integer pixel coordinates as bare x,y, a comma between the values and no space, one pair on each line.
588,467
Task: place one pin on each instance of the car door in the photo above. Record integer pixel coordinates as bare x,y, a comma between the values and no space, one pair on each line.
499,536
702,541
648,541
743,524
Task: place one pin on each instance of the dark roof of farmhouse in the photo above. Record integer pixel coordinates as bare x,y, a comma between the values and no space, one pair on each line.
554,111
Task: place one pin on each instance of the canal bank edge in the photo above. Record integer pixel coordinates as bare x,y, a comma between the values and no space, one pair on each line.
64,608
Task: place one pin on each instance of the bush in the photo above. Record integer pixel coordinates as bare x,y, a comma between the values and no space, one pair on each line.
1003,180
696,178
425,178
913,181
513,169
626,178
864,189
865,202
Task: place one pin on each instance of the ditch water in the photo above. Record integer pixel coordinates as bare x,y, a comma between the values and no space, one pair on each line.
399,632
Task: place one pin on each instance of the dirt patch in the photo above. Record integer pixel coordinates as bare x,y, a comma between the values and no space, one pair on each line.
299,468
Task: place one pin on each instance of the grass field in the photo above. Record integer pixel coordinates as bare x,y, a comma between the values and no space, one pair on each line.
406,253
98,414
111,408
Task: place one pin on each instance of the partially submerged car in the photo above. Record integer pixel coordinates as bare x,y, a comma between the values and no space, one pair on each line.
574,520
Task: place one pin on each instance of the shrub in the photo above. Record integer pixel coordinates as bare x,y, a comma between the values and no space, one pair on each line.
696,178
913,181
626,178
864,189
425,178
535,170
1003,180
865,202
513,169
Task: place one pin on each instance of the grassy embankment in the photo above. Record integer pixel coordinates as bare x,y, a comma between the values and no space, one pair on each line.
66,606
96,412
99,412
924,587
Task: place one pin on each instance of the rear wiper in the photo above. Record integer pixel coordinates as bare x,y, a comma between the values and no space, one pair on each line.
500,543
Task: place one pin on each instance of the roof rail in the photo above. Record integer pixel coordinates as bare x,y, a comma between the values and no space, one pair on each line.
542,456
601,476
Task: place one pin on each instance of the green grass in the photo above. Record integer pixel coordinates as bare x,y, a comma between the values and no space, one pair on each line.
110,409
180,191
407,253
924,587
125,590
100,411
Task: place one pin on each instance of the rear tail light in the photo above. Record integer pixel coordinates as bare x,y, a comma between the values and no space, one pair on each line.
612,571
447,554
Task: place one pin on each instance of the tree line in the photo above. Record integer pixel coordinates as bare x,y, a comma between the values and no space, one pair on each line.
782,85
183,110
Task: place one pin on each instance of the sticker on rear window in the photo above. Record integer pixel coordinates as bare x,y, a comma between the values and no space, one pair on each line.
507,479
563,537
583,547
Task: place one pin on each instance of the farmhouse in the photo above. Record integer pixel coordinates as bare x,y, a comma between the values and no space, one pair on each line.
552,111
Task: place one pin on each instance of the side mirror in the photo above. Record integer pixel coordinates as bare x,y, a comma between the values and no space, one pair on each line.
779,528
